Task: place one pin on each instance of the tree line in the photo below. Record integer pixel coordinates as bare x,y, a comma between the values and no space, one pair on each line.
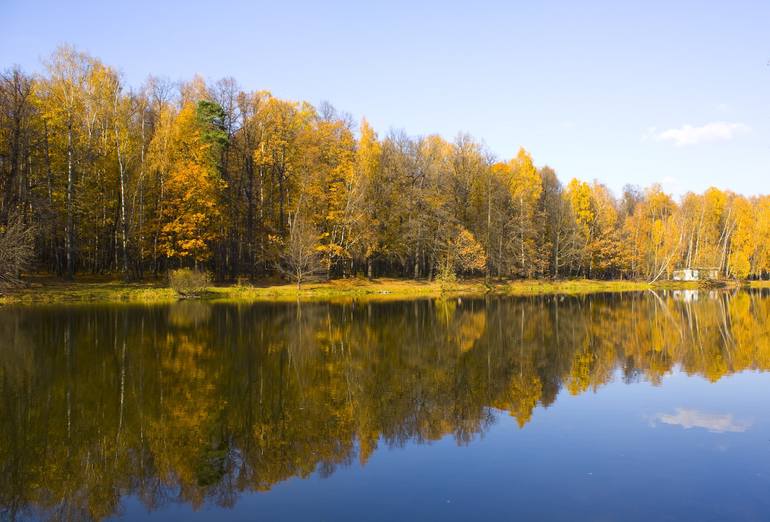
99,177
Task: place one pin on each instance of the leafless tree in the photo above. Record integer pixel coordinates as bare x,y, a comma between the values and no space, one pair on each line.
301,257
16,250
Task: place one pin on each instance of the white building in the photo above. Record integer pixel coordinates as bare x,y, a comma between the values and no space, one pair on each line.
695,274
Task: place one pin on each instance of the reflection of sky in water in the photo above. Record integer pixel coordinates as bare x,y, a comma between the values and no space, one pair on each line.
591,456
715,423
635,407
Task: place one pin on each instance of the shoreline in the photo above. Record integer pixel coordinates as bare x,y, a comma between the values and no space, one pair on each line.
106,291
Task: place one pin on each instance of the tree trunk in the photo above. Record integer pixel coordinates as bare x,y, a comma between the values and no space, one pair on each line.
122,195
69,239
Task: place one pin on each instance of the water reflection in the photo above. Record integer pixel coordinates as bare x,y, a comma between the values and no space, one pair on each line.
196,403
713,422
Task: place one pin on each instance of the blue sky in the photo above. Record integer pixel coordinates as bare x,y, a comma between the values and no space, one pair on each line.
674,92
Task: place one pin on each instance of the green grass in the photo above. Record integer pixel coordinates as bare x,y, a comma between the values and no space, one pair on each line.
88,291
101,290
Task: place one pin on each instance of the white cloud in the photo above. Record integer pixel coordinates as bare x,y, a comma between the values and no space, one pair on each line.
692,135
714,423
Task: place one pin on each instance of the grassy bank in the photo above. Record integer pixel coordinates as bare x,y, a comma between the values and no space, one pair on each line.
89,290
93,290
385,289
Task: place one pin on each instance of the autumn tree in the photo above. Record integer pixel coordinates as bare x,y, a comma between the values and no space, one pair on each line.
559,241
362,240
462,254
525,187
194,183
63,98
743,249
656,228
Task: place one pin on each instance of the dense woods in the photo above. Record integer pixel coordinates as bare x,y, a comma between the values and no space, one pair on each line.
100,177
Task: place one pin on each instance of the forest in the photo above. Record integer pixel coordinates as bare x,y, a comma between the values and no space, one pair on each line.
100,177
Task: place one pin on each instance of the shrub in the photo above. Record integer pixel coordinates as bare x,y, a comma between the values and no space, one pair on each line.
446,278
188,283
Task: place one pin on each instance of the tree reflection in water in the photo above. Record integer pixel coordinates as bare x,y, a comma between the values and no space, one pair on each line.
195,403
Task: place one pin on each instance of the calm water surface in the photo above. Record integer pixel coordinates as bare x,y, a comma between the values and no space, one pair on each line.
610,407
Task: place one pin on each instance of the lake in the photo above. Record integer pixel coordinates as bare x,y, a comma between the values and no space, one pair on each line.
629,406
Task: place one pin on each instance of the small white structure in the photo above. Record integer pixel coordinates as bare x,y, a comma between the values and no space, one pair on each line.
695,274
686,274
